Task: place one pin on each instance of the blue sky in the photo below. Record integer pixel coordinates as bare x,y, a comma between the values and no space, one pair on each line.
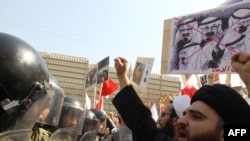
95,29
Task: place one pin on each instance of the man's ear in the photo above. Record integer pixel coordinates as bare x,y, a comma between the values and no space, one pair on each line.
222,135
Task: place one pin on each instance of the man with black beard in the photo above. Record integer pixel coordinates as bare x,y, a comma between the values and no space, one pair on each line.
212,107
173,110
166,119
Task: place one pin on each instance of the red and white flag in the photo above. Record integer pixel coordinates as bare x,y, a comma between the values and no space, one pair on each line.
99,104
108,88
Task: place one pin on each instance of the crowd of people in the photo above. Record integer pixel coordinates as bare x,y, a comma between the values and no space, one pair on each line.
35,108
211,108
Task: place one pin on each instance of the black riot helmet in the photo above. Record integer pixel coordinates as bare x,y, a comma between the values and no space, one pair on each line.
73,101
24,85
102,117
90,127
71,120
72,108
90,122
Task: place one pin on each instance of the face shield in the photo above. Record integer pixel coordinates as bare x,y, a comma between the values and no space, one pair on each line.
90,125
102,117
50,115
89,136
23,114
70,124
72,117
102,126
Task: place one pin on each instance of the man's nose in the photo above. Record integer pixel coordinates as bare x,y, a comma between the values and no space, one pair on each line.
74,122
182,121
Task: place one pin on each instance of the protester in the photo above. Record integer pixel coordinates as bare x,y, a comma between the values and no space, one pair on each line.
169,116
211,107
133,111
241,64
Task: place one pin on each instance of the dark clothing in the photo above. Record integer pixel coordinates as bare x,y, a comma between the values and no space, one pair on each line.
137,117
226,102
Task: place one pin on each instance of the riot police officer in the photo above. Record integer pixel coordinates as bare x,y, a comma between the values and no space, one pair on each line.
71,120
49,118
24,87
90,126
102,117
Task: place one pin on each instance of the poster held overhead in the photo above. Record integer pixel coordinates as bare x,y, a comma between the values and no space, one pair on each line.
203,43
103,70
142,71
91,77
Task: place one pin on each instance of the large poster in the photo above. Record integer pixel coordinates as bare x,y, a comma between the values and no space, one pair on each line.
204,42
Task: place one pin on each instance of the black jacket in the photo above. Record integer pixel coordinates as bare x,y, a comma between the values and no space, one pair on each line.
137,116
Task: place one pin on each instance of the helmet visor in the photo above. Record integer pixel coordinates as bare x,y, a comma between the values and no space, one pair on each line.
51,113
27,112
72,117
102,125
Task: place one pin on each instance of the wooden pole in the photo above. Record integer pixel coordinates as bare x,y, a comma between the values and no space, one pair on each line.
210,79
184,79
100,97
198,80
94,99
228,80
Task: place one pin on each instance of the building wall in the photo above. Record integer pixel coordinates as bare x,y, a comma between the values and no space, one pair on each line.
71,71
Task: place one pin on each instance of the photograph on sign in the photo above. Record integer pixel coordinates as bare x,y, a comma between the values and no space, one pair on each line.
138,72
103,70
142,71
204,79
91,77
146,74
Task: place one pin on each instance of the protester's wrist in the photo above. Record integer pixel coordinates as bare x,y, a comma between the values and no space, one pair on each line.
123,81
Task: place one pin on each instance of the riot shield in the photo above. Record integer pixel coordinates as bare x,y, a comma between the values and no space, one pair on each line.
16,135
64,134
89,136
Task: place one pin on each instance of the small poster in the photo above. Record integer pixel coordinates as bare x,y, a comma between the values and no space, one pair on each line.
142,71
